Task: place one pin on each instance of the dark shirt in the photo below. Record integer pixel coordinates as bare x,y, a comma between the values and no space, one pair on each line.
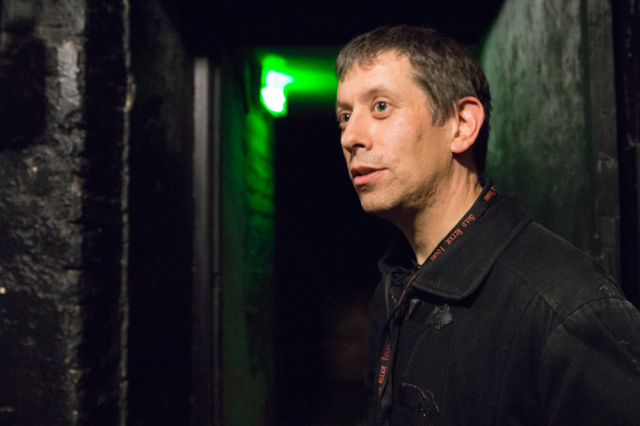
509,325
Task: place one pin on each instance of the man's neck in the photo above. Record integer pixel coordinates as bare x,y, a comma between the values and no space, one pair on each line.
426,228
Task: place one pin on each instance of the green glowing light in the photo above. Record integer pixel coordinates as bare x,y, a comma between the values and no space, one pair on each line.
308,79
273,96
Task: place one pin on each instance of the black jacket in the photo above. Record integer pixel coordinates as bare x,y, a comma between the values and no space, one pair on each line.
512,326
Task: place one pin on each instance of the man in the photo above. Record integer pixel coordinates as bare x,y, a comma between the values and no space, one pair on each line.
482,316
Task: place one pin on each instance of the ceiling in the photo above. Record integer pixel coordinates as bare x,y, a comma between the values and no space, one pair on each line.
209,26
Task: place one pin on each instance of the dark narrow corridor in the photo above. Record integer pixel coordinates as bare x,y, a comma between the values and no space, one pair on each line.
326,254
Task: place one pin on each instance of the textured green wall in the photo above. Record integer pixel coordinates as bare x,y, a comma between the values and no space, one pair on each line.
247,240
540,145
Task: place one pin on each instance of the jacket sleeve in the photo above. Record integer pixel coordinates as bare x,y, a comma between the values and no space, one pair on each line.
590,366
377,317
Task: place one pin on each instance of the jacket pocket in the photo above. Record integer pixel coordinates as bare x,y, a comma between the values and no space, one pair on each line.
421,400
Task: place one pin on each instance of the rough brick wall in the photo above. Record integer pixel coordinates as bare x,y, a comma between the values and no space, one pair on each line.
63,176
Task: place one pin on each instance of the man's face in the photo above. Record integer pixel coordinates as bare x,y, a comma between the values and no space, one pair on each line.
396,158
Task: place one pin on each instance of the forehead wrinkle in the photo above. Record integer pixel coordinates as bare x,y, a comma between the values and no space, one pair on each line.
376,91
380,88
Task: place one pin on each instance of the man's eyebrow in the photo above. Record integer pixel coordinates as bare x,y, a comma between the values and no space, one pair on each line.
371,93
341,105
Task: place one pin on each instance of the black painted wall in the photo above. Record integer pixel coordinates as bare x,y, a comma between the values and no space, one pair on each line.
161,221
626,36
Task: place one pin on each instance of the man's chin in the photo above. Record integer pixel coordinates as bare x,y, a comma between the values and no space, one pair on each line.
375,208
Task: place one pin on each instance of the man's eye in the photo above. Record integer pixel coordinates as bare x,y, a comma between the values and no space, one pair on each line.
344,117
381,106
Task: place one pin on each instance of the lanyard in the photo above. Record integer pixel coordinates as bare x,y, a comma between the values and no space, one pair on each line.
386,359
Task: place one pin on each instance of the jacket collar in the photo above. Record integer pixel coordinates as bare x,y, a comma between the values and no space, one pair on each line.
461,268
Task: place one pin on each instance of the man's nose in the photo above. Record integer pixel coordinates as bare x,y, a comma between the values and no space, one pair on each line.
356,135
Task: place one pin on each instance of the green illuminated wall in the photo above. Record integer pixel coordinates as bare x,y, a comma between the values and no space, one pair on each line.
247,247
247,131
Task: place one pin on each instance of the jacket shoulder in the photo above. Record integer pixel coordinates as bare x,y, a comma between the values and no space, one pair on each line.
560,273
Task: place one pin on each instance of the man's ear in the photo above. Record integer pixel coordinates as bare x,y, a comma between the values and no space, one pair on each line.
470,116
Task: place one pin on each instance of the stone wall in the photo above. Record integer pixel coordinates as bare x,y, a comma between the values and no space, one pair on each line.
63,234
